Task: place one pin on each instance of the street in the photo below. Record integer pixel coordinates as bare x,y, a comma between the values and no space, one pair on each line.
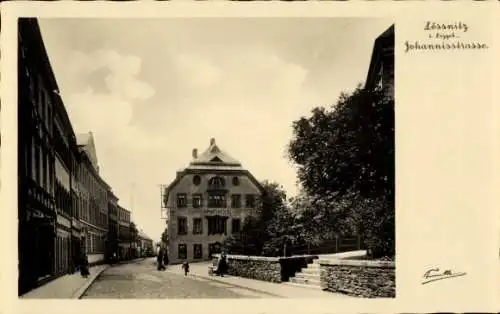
142,280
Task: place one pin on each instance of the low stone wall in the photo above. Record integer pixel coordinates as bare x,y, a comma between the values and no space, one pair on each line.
368,279
272,269
254,267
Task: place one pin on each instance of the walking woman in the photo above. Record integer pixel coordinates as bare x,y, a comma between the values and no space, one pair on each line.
159,259
84,265
222,264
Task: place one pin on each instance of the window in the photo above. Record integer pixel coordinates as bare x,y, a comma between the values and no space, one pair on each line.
236,225
182,225
236,201
181,200
217,201
217,225
250,201
236,181
196,180
216,183
197,226
197,201
182,251
197,251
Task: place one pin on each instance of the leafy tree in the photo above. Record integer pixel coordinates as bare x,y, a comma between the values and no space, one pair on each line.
164,236
268,231
134,233
345,158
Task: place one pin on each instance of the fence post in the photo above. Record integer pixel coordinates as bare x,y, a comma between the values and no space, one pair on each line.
359,242
336,243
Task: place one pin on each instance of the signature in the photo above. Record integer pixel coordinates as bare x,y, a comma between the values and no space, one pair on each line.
436,274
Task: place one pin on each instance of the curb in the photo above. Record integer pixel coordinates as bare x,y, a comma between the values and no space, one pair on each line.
239,286
80,292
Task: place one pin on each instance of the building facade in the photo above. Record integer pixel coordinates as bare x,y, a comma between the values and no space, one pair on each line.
37,214
124,234
381,70
145,245
93,199
112,239
207,201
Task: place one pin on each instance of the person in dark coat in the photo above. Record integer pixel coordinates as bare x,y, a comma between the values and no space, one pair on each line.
185,266
159,259
222,264
84,266
165,258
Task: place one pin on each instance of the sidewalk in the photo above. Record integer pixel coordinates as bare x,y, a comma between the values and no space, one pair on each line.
280,290
70,286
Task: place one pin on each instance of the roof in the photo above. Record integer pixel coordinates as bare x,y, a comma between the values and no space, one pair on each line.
85,142
212,157
144,236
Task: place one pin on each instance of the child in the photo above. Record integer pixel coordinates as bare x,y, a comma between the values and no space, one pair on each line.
185,266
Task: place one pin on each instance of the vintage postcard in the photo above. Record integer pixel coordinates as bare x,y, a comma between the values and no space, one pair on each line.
262,157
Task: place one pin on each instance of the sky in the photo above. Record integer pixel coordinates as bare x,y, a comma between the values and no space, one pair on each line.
151,90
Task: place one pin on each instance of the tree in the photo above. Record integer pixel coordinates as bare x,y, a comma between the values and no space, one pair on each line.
268,231
134,233
164,236
345,158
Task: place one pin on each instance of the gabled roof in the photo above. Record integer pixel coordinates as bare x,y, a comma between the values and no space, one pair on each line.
213,156
144,236
85,142
213,159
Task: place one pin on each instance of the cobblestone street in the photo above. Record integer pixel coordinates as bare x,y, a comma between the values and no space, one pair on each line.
142,280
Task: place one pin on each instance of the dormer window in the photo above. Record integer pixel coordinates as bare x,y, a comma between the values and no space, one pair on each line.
216,183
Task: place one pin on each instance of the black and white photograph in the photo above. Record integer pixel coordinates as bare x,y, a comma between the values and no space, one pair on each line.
203,158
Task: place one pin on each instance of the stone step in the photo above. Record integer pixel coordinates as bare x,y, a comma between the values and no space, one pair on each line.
293,284
311,271
304,281
307,276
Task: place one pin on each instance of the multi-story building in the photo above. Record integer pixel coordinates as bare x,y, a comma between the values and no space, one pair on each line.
112,239
94,200
381,70
37,213
124,234
65,160
207,201
145,245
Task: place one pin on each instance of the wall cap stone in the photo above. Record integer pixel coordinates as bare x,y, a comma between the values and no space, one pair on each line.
250,258
357,263
264,258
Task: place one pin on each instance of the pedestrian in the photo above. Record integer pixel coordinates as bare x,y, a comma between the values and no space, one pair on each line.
185,266
165,258
222,264
84,265
159,260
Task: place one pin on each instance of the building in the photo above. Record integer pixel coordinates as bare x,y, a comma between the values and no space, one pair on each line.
112,239
93,199
124,234
145,245
381,70
207,201
37,214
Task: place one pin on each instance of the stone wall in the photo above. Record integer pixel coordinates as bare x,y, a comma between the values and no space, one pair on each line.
368,279
254,267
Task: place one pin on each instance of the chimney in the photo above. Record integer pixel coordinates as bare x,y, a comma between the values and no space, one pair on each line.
195,153
212,141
